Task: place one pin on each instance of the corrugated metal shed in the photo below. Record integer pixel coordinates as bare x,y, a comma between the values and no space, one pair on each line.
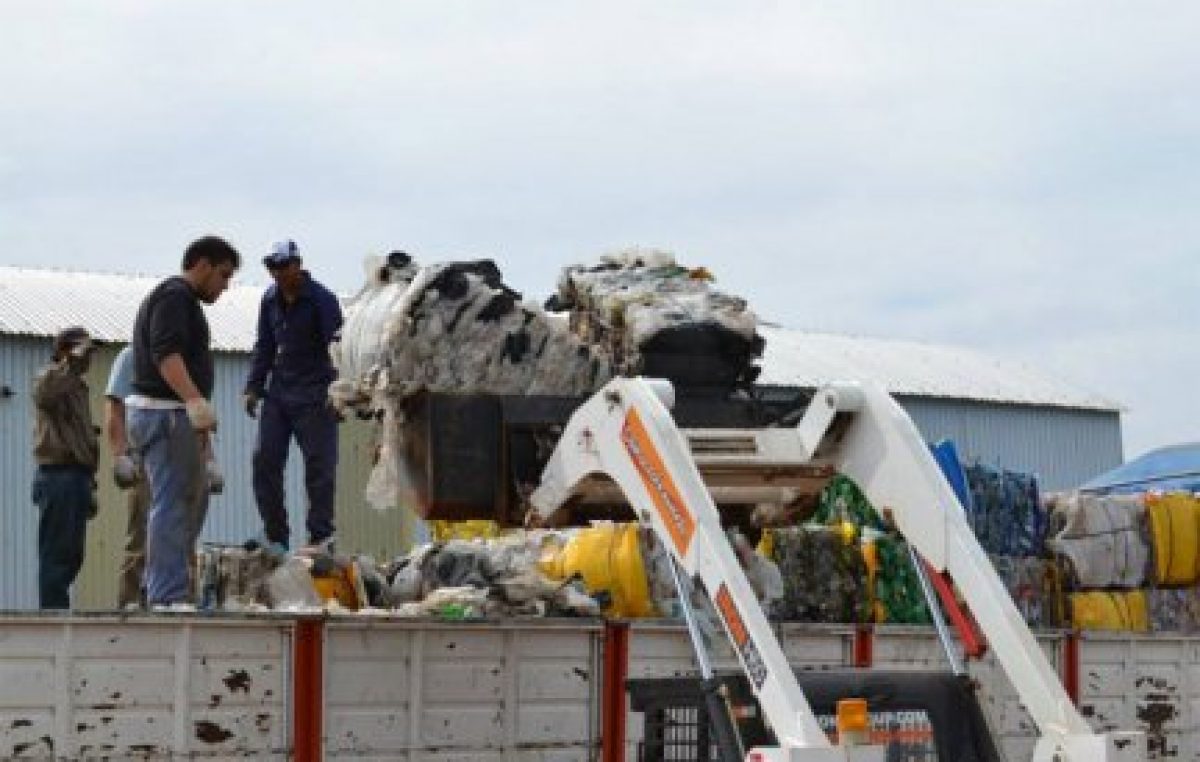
999,412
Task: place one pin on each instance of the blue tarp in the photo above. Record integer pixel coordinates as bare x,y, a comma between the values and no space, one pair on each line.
1168,469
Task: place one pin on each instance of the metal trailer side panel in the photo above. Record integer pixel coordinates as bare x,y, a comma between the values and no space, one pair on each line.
438,692
1149,683
76,687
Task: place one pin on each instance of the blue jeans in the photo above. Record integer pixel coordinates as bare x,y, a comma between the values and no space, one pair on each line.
315,427
169,449
64,495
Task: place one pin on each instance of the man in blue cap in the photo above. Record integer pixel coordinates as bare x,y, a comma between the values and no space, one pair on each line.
289,378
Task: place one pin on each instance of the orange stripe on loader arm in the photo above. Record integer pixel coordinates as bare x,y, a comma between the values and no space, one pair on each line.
658,482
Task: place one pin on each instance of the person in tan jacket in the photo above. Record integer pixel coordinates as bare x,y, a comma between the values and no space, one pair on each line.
66,449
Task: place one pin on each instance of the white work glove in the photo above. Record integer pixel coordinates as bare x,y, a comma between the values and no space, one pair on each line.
201,414
216,479
125,471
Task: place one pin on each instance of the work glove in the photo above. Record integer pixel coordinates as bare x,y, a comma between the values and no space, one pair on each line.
216,479
251,400
201,414
125,471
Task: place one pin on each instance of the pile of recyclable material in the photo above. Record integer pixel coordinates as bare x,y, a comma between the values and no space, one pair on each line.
1037,587
454,327
657,318
248,578
1005,511
233,578
492,578
1101,537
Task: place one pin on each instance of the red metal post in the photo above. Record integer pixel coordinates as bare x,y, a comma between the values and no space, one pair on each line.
1070,665
612,700
864,646
308,690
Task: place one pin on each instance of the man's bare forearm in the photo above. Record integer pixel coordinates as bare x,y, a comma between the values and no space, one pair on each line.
175,373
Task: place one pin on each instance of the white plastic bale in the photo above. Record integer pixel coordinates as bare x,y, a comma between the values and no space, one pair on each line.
403,336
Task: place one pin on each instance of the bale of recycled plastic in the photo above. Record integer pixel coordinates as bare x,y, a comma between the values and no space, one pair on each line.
1101,537
399,327
1037,588
824,576
1174,609
1174,530
1007,514
657,318
895,587
1110,610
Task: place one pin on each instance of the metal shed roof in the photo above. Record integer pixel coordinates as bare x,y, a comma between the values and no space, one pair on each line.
798,358
39,302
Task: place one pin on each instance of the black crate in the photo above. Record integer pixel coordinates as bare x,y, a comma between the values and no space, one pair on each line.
921,717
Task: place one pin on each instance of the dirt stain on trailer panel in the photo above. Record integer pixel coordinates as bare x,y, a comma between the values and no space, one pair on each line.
210,732
238,680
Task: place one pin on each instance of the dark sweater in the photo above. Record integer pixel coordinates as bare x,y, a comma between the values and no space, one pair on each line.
171,321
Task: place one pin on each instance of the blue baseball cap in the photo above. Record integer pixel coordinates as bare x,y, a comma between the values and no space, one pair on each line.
282,252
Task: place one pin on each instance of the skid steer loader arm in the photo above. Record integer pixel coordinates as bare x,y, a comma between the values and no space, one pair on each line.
626,433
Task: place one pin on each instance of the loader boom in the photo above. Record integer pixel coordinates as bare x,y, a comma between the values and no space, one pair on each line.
626,433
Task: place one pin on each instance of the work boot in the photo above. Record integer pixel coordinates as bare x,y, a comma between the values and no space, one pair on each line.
273,549
326,546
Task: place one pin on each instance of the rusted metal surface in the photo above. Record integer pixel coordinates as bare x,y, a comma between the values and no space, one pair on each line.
613,711
308,669
118,688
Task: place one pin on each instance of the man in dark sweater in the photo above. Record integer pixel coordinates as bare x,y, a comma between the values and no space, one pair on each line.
66,450
170,419
290,375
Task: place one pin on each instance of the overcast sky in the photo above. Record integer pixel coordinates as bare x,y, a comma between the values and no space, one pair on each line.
1017,177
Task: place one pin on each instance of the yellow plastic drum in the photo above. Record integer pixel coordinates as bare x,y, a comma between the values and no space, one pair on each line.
608,558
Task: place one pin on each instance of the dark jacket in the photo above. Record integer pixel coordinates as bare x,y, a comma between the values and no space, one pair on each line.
63,432
291,354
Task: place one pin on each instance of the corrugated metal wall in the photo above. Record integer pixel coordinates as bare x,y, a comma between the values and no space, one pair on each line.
1064,447
232,516
19,360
